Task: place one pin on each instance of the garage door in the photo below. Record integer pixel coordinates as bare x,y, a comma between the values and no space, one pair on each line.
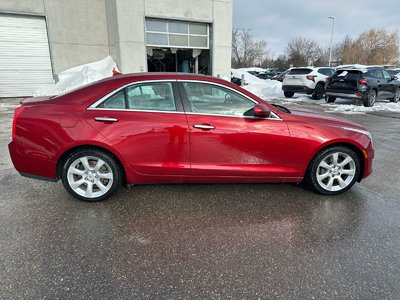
25,62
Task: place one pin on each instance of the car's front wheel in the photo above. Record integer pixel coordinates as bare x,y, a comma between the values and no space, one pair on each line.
91,174
288,94
333,170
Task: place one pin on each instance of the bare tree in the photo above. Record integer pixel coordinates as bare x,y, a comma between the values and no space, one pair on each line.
246,51
373,47
339,50
303,52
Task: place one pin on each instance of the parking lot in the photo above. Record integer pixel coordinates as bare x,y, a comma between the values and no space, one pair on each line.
213,241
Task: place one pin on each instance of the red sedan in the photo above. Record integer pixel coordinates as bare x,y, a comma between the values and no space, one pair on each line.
175,128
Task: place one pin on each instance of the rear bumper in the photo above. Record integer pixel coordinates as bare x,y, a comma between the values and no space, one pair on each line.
355,95
297,89
31,166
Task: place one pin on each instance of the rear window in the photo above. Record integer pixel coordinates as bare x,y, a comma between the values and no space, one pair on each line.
348,74
300,71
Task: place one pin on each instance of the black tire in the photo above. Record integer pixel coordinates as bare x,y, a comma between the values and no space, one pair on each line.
288,94
321,184
330,99
318,92
111,168
396,97
370,99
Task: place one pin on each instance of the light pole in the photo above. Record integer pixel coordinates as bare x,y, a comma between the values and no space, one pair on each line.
330,48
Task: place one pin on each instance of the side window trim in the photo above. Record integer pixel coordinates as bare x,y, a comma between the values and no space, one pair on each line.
185,100
188,110
177,97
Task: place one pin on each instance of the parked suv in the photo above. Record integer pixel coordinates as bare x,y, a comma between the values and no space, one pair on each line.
309,80
367,84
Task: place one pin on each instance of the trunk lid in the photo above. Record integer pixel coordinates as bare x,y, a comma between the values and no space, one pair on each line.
297,76
344,81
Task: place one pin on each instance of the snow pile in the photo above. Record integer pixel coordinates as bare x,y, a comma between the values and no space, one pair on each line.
79,76
266,89
248,78
259,87
354,109
352,66
253,69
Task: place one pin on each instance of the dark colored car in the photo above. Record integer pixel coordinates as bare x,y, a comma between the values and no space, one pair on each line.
393,72
368,85
177,128
267,75
281,76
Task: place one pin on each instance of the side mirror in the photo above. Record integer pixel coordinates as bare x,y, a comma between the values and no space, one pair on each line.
261,110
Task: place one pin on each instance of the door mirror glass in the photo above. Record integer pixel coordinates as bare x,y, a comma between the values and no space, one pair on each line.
261,110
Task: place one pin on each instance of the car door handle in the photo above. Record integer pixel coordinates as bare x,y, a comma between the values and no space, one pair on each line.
204,126
105,119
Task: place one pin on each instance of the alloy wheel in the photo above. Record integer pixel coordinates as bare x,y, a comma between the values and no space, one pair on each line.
336,171
90,177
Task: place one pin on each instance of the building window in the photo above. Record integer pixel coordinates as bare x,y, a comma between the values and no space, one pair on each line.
177,34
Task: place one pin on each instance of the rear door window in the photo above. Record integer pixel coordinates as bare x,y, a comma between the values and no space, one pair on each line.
116,101
153,96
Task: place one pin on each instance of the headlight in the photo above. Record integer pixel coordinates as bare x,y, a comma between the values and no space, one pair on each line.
367,133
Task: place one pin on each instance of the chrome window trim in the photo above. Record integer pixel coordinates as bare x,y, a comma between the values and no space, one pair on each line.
221,85
98,102
273,116
137,110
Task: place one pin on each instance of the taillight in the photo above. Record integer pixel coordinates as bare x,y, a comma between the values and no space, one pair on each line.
17,113
311,77
362,81
327,80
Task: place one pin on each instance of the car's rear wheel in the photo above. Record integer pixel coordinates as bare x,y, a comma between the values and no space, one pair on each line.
396,96
334,170
330,99
370,99
91,174
318,92
288,94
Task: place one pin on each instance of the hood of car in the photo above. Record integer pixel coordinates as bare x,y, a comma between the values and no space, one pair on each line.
309,116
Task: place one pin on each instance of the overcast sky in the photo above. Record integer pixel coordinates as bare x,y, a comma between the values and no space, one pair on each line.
278,21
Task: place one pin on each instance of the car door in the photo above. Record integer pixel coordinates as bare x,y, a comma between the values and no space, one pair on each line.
225,137
145,122
382,84
389,85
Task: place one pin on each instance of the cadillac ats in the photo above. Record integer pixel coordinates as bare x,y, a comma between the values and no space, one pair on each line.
176,128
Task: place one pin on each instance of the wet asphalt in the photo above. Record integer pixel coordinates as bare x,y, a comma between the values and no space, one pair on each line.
209,241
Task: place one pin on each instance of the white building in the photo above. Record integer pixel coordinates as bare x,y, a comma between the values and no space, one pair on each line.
40,38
